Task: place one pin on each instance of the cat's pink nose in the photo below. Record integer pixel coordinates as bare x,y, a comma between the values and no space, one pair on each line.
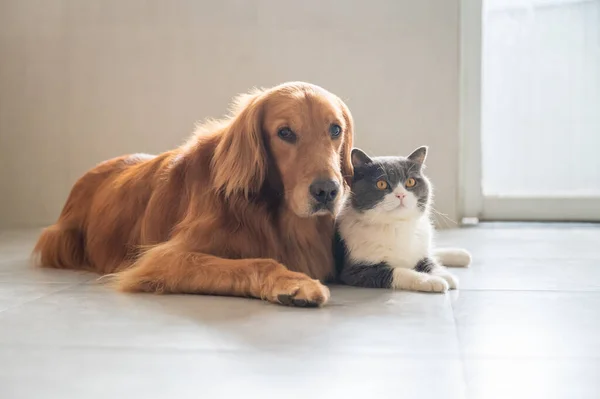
400,195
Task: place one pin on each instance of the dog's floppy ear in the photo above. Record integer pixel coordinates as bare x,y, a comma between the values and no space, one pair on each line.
346,156
239,163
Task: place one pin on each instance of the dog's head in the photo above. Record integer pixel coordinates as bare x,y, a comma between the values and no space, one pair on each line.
297,136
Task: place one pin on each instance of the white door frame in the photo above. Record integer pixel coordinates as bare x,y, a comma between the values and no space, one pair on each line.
470,192
473,204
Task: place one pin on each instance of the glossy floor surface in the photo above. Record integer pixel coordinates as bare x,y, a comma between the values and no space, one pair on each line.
524,324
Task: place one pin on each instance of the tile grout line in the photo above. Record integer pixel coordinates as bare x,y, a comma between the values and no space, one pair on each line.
65,287
461,355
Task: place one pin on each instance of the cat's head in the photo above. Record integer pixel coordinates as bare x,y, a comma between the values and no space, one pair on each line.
394,186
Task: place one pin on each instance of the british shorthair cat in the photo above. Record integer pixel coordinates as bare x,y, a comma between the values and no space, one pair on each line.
384,232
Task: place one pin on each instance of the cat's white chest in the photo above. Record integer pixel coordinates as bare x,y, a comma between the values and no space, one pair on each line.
399,244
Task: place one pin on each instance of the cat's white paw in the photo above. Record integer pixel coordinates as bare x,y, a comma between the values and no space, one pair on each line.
442,272
430,283
451,279
453,257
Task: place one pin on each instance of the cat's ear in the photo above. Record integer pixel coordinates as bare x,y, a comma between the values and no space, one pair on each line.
359,157
419,155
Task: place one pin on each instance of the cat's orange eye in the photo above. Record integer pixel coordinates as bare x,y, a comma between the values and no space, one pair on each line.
382,184
410,182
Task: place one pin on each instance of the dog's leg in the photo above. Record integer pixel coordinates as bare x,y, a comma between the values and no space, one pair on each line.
169,268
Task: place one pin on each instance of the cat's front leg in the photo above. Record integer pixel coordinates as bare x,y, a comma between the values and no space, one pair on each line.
377,275
431,266
427,276
382,275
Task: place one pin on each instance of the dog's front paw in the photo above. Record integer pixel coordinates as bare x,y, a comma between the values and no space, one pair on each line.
303,292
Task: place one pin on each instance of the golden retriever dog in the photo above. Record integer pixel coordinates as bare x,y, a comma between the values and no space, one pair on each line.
245,208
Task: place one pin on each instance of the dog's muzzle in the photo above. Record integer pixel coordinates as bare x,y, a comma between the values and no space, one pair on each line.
324,192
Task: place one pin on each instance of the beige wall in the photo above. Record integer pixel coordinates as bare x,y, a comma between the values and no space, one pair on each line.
82,81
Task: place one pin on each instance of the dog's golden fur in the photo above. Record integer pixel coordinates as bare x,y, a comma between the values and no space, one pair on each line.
227,213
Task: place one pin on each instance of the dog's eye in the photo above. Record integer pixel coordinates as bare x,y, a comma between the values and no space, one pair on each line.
286,134
335,130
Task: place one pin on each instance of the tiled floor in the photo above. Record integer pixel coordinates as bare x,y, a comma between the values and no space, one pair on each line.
525,324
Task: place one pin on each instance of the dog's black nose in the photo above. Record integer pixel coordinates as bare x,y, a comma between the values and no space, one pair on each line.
324,191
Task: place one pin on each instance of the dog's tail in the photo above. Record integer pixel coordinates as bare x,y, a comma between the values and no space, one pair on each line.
60,248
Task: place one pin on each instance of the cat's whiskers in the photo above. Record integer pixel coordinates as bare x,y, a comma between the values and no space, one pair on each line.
441,218
444,217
